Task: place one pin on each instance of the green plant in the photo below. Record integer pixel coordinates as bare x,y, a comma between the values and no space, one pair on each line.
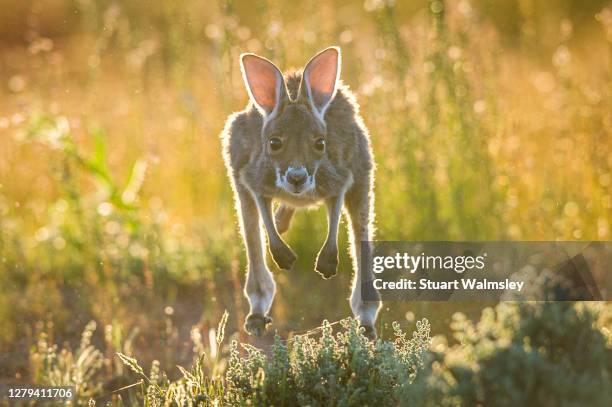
66,368
200,385
543,353
344,369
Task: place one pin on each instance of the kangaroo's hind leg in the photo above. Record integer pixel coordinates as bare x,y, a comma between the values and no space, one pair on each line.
282,218
360,208
259,287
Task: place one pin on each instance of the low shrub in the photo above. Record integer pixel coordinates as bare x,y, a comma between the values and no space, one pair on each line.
345,369
533,354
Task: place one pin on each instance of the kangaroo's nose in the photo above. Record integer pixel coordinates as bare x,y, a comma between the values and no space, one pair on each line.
298,177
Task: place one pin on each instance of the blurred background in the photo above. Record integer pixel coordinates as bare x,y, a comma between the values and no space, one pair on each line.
490,120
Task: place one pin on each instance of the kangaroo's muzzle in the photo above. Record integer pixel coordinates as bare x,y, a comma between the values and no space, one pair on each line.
295,181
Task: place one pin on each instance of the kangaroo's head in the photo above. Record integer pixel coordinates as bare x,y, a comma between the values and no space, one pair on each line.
294,132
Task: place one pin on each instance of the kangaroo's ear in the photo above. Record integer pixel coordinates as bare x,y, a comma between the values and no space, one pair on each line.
320,79
264,83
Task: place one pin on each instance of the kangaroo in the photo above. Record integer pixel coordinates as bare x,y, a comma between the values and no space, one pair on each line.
301,142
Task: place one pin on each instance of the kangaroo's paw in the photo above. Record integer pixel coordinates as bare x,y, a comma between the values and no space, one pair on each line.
369,332
327,262
283,255
256,324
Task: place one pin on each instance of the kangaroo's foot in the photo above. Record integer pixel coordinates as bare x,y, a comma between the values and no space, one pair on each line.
365,312
327,262
256,324
369,332
282,254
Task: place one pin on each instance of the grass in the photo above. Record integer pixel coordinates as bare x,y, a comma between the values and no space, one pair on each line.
488,121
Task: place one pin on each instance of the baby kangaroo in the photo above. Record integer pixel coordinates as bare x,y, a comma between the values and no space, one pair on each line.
301,142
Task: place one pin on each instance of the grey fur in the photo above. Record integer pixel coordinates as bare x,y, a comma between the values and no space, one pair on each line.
343,177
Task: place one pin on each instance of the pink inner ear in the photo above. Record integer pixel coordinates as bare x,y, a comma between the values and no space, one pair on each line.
322,73
262,80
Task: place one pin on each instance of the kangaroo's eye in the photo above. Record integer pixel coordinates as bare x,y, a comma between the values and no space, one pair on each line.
276,144
319,145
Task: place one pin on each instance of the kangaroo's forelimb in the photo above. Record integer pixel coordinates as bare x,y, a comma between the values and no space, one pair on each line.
327,260
281,253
